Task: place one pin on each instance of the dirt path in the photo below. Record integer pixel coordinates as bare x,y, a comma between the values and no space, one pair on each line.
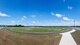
67,39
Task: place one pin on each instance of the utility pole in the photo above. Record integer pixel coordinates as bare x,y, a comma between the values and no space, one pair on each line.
74,24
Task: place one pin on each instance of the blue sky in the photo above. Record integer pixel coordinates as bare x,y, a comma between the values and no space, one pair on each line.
39,12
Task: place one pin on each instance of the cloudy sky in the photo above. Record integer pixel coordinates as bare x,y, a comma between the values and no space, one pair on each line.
40,12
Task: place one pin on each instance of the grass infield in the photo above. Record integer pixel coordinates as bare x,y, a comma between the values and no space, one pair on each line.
36,29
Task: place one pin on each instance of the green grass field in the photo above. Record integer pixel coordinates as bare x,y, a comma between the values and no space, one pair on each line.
36,29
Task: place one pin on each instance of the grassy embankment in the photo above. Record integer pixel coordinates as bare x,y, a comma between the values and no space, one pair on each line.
11,38
76,36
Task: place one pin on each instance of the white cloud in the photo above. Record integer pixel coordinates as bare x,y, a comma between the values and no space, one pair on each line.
3,14
23,17
61,16
66,18
70,7
57,15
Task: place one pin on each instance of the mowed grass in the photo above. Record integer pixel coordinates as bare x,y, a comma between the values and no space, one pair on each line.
36,29
76,36
11,38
